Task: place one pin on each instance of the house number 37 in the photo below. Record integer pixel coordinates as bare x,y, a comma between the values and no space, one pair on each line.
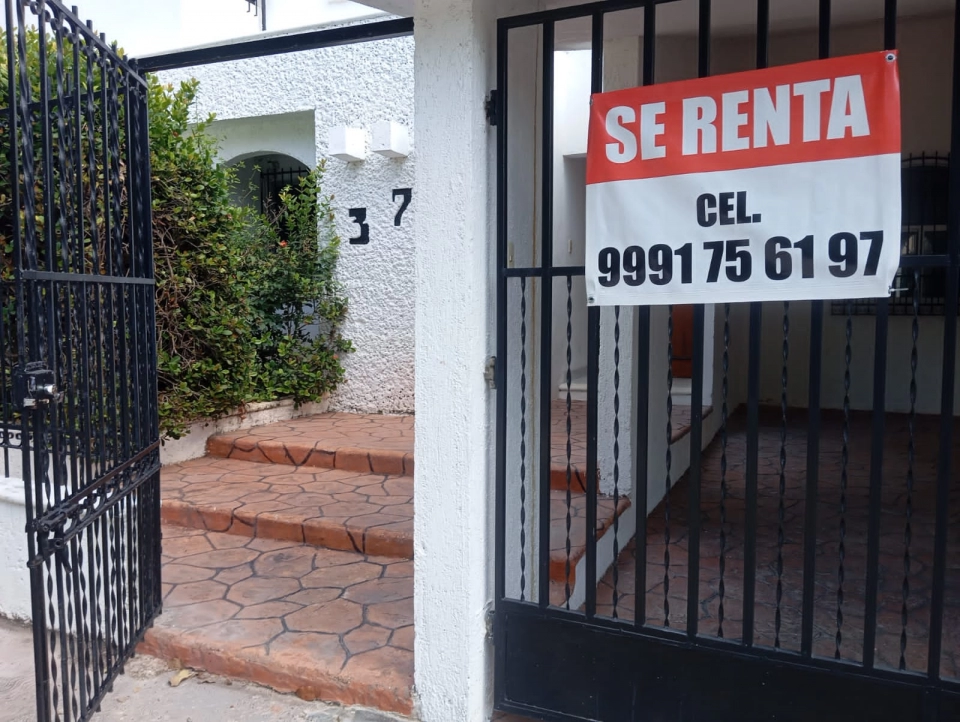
359,215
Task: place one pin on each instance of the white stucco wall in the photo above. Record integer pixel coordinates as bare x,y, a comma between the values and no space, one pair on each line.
287,104
14,577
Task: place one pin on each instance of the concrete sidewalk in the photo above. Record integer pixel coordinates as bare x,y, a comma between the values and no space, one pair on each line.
146,686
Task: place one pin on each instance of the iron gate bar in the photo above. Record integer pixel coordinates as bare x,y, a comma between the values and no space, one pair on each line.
539,272
642,417
99,41
549,650
593,362
932,261
573,12
716,676
95,619
949,361
879,423
753,398
546,301
813,415
65,277
694,478
279,44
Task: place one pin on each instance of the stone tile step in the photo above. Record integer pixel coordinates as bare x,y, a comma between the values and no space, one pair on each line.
381,444
330,508
607,513
366,443
329,625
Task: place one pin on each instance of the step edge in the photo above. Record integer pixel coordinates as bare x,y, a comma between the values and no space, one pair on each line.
303,531
170,644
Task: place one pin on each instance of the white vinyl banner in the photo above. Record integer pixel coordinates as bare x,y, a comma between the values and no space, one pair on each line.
778,184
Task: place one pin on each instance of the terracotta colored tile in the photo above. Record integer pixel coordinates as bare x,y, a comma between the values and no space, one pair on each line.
390,666
343,575
330,535
336,617
280,527
216,519
308,597
403,638
309,650
365,638
257,590
185,546
330,558
322,458
194,592
223,558
341,509
294,562
379,590
179,513
240,633
387,461
392,614
254,454
180,573
399,569
226,541
200,614
219,446
267,610
234,574
353,460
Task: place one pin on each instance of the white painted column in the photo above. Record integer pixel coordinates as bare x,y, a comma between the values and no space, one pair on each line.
455,296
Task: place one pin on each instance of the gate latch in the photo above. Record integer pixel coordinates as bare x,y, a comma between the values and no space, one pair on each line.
37,386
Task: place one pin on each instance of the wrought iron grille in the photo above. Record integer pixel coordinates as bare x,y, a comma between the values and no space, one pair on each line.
78,348
774,546
273,182
925,183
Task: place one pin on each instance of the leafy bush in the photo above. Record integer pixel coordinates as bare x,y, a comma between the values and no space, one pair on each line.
243,314
296,303
248,308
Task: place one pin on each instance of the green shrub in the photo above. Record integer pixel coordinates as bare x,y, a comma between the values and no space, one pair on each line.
296,303
245,311
236,302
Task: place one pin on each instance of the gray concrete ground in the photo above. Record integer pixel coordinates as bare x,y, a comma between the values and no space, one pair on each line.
144,693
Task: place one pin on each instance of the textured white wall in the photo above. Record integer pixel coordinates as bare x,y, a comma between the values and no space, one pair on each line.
274,104
14,577
455,295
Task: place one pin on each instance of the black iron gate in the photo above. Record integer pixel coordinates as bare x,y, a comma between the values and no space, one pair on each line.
776,545
78,355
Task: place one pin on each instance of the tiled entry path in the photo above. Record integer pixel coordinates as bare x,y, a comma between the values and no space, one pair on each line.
907,525
287,554
293,576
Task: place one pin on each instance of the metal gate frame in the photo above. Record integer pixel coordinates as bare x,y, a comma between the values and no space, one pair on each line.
80,362
563,664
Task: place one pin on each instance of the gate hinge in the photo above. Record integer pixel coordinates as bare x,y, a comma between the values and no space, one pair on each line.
490,372
36,386
492,107
490,619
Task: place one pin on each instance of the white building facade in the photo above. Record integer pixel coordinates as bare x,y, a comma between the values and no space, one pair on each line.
427,311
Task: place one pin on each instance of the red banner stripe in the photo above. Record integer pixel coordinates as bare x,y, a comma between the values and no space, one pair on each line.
845,107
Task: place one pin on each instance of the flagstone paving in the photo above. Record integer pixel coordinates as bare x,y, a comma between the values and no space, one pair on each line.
336,509
287,553
325,624
382,444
